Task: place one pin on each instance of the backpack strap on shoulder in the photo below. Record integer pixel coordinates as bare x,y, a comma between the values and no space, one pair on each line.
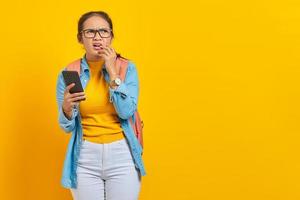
74,66
123,65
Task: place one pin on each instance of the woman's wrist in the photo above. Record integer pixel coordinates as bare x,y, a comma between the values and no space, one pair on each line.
113,86
68,114
113,76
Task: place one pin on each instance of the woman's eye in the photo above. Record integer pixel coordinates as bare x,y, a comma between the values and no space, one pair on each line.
104,31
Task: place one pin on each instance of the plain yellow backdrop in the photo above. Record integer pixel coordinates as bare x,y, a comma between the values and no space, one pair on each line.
219,95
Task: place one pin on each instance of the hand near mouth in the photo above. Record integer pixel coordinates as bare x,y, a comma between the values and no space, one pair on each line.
109,55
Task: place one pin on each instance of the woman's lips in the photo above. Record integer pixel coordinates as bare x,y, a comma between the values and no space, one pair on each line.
97,48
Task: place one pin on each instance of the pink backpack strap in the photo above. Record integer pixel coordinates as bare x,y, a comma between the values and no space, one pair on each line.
74,66
122,64
137,127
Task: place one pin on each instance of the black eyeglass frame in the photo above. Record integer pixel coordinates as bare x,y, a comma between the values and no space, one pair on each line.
96,31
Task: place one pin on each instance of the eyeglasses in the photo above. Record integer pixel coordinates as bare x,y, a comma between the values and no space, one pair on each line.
91,33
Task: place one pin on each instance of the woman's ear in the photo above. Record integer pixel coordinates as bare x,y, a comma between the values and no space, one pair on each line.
79,38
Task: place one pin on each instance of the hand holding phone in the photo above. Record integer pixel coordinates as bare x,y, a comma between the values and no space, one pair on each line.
73,93
72,77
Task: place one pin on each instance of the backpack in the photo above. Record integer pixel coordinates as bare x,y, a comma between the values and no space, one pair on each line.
135,120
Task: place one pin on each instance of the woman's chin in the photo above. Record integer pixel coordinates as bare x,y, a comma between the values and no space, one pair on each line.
95,53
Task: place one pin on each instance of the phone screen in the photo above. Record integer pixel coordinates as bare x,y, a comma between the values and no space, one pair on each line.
73,77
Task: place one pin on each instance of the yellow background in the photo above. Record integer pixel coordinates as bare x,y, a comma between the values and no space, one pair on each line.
219,95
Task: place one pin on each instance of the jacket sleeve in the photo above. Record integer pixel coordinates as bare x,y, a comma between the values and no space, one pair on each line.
125,96
66,124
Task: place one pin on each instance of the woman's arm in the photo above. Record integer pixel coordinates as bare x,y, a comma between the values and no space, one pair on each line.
125,96
66,124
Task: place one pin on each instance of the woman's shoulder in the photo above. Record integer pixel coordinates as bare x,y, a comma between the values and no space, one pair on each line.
130,63
73,65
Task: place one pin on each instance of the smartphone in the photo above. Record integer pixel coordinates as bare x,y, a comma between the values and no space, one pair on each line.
73,77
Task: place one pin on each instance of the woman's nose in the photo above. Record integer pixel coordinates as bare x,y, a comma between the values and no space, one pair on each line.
97,36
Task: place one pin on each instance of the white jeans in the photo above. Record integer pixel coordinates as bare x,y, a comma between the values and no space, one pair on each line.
106,172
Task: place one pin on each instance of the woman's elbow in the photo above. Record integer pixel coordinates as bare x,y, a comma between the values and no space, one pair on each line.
126,113
66,125
67,128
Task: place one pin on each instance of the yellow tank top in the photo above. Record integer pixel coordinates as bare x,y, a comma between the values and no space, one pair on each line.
100,121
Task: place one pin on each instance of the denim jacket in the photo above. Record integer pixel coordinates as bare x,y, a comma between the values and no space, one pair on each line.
124,99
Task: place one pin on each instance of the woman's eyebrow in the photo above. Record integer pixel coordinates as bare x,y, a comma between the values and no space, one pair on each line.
98,28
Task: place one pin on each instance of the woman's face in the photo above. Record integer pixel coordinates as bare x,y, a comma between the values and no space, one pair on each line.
93,45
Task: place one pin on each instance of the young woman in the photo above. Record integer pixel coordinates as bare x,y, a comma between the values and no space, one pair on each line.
103,158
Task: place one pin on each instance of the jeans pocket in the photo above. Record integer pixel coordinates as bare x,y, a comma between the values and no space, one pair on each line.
89,154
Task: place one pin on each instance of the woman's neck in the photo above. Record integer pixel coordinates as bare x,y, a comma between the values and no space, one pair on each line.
95,63
93,58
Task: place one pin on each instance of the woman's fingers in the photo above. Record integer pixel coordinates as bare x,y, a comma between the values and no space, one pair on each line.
104,51
109,49
112,50
77,98
76,94
67,90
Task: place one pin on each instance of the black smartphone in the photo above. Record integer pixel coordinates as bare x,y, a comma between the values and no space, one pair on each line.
73,77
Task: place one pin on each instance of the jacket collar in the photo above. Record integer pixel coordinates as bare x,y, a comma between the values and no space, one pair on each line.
86,69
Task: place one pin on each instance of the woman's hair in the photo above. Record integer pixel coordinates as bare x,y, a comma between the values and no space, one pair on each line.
87,15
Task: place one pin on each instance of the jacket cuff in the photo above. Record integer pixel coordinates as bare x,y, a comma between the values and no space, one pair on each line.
63,117
121,89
